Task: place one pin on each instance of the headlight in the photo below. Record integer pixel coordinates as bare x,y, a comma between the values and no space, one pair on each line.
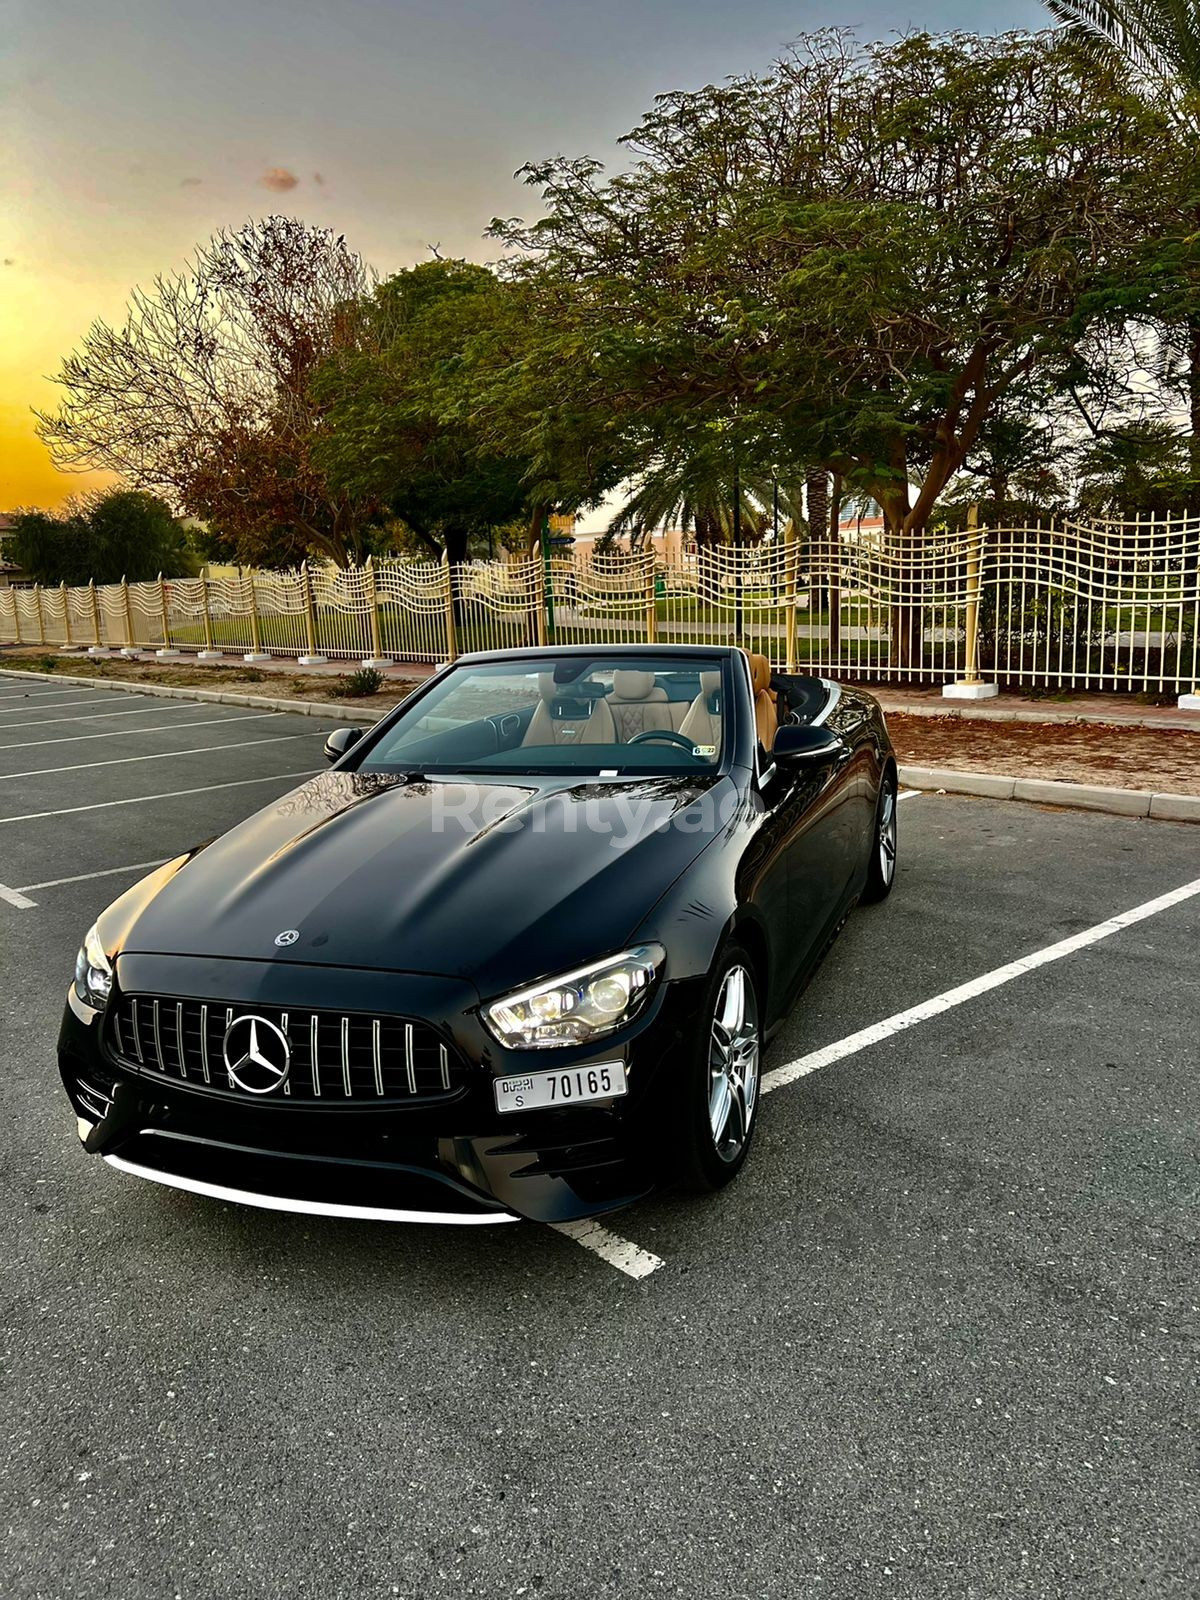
93,972
580,1005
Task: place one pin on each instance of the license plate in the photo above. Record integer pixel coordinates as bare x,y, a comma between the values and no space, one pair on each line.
570,1087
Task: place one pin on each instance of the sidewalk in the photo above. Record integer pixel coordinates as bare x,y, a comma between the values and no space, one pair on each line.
1100,740
1112,710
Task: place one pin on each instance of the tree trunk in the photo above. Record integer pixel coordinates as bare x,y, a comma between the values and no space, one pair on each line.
537,517
816,505
835,567
1194,396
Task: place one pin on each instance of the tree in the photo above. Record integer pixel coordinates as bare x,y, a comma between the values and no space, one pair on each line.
205,393
1140,467
853,262
121,533
1158,42
398,429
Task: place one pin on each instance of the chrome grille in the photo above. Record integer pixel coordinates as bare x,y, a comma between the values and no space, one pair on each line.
335,1056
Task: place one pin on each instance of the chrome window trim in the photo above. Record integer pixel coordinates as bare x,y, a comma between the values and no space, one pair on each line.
835,694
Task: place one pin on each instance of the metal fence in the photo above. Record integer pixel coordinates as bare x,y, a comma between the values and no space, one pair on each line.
1113,605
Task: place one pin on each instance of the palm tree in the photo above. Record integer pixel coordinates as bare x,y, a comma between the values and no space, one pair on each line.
1158,41
699,496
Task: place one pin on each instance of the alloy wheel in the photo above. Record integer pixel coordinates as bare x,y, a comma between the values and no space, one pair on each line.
887,835
733,1064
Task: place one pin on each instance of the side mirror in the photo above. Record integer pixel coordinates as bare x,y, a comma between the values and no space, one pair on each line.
795,744
339,741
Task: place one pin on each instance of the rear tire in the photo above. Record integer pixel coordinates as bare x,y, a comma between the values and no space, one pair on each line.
717,1116
881,861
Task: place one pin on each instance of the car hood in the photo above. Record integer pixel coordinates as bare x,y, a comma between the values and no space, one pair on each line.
497,881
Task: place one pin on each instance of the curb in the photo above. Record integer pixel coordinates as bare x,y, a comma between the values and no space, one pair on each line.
1049,792
220,697
987,785
1186,722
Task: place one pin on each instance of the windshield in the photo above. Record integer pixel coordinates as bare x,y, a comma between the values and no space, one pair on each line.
649,714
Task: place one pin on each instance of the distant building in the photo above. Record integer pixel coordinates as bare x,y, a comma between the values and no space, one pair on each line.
9,571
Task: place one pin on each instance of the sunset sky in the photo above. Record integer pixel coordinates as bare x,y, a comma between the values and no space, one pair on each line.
131,129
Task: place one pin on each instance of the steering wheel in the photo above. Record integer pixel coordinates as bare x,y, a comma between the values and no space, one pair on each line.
663,733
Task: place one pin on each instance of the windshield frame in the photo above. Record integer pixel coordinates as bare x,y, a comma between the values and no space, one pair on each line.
544,659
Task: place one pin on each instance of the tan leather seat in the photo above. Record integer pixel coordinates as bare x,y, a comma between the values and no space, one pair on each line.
766,713
638,705
702,725
553,724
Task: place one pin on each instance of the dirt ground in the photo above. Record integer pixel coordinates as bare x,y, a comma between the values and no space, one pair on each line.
234,678
1166,760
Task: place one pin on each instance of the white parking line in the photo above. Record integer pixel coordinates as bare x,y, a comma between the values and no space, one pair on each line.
47,689
628,1258
637,1263
164,755
41,704
129,733
878,1031
20,897
172,794
100,716
909,794
86,877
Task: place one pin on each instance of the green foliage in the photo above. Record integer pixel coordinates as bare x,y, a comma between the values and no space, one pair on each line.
122,533
1140,467
419,417
358,685
855,262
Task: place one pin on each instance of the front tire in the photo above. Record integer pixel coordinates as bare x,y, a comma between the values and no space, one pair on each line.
881,861
721,1090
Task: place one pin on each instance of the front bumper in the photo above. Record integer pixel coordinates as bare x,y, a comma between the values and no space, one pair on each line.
459,1161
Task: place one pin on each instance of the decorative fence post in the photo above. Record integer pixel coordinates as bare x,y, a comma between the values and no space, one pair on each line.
130,649
539,602
16,605
256,651
790,577
41,615
448,593
164,612
970,686
66,605
651,600
377,657
209,653
95,649
312,659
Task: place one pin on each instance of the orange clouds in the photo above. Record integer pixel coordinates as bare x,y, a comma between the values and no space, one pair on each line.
279,179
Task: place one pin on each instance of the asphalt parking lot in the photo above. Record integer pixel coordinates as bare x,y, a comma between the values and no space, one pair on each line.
940,1338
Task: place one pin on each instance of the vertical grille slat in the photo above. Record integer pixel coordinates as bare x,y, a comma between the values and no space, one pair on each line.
377,1054
159,1059
410,1066
381,1058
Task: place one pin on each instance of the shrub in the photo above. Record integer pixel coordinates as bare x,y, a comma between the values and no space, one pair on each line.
366,681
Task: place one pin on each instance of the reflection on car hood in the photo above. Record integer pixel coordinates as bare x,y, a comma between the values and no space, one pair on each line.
499,882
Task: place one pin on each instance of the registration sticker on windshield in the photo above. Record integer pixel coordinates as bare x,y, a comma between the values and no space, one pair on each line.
569,1087
704,749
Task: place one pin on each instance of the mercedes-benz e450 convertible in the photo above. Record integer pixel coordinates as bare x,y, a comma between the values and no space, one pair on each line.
517,954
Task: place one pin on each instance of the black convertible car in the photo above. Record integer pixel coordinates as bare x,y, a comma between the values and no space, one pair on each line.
516,955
